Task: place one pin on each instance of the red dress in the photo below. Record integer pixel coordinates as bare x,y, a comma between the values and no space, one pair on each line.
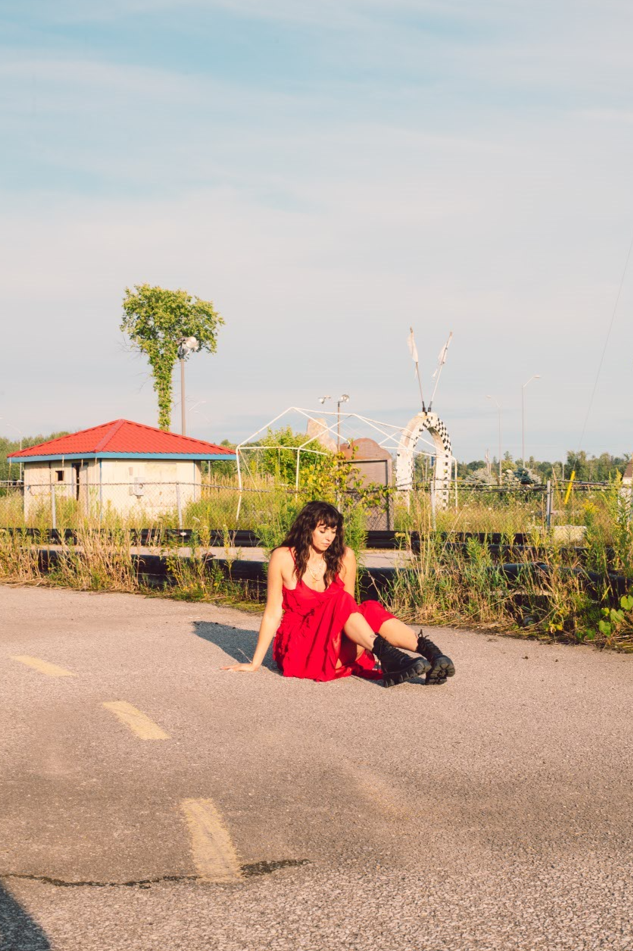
310,643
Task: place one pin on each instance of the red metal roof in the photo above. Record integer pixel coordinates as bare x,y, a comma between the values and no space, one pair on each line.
124,436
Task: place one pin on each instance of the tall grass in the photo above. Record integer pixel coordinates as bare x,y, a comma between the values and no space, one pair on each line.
491,511
19,558
546,592
94,563
443,583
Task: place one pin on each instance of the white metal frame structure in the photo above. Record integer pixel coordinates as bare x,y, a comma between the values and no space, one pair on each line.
425,428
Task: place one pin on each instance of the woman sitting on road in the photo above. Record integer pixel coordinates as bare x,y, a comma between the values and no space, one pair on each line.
320,632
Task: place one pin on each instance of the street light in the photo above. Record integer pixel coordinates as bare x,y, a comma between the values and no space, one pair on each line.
498,405
186,345
342,399
323,399
537,376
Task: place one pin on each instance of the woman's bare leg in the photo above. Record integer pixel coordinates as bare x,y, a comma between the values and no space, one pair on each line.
393,630
359,631
398,634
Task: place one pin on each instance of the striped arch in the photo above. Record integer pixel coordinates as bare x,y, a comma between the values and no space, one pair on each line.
433,425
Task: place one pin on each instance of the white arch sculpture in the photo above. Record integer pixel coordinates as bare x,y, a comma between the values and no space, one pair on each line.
433,425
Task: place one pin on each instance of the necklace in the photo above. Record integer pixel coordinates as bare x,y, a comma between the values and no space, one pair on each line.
316,575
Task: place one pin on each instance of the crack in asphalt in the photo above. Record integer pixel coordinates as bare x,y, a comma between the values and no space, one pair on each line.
248,871
264,868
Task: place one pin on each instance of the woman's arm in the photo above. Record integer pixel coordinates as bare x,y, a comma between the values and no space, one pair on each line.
348,572
272,613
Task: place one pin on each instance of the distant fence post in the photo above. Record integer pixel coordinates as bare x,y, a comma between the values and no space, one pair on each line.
179,505
53,507
433,502
549,499
625,495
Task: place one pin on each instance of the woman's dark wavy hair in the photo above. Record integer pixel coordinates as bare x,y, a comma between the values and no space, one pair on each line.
300,535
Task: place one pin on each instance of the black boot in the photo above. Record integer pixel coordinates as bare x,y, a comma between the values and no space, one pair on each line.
441,665
396,665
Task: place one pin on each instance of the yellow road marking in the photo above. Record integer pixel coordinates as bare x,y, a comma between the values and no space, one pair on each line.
137,721
51,670
213,852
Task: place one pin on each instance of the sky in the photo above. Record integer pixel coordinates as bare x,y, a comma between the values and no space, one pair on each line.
328,174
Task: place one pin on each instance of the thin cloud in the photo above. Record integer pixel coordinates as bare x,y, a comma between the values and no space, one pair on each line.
448,174
332,14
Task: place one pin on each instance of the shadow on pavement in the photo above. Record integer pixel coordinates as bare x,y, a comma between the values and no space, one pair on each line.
18,931
238,644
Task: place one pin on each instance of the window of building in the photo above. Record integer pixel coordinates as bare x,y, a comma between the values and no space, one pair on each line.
60,475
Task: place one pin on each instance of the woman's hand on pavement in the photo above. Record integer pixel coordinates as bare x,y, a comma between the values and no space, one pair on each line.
241,667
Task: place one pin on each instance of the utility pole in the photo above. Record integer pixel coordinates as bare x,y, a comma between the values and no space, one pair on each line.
342,399
183,420
498,405
186,345
536,376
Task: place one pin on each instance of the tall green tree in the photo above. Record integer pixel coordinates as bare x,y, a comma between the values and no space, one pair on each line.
156,320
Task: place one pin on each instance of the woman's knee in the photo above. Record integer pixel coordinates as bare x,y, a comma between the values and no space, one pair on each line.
375,614
355,622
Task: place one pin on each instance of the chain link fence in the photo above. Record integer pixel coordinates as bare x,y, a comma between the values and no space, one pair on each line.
566,510
155,505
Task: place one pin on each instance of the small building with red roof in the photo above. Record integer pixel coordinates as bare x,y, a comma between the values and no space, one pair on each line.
121,465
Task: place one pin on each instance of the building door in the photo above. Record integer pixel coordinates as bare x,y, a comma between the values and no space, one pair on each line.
77,468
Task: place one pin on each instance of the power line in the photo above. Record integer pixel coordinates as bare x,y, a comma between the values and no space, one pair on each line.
606,343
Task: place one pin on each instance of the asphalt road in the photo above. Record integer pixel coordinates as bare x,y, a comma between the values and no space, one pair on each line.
151,801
